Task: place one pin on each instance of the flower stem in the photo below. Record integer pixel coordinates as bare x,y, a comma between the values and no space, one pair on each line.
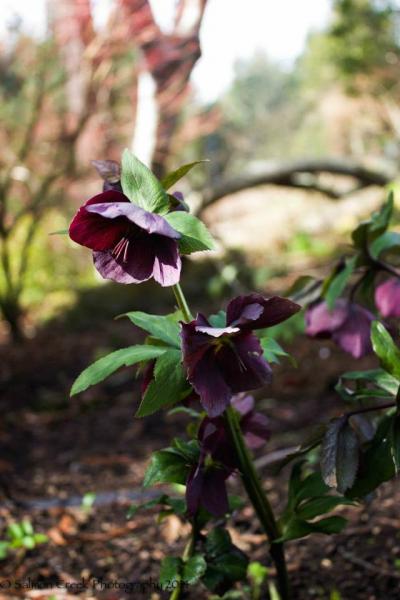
187,553
182,304
251,482
262,507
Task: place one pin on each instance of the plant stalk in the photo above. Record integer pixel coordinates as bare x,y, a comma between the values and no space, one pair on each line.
262,507
181,302
187,553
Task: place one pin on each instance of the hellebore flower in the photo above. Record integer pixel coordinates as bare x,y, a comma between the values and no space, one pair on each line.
129,244
205,485
387,297
110,172
223,361
347,324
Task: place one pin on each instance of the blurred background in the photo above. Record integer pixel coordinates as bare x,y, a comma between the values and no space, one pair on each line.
296,105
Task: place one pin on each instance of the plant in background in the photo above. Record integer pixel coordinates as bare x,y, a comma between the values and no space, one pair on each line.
205,367
21,537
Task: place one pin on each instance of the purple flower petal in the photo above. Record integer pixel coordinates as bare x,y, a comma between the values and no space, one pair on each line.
321,322
211,386
354,336
243,403
137,268
194,486
387,298
255,427
214,496
256,312
167,263
91,230
150,222
243,365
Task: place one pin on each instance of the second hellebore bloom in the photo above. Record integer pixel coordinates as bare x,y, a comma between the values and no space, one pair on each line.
205,485
130,245
223,361
387,297
348,324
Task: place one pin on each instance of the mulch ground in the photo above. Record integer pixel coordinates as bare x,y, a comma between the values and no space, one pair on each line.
55,450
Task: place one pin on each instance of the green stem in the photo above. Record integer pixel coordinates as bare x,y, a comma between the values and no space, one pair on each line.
262,507
187,553
182,304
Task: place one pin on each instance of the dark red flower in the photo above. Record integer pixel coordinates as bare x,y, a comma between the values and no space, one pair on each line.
387,297
223,361
205,485
130,245
347,324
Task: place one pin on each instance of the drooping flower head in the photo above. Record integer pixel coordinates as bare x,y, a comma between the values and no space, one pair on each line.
387,297
205,485
348,324
221,362
130,244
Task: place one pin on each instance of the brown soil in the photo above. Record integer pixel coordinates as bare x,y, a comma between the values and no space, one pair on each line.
55,450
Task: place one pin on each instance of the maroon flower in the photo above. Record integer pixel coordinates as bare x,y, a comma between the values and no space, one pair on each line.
347,324
223,361
205,485
129,244
387,298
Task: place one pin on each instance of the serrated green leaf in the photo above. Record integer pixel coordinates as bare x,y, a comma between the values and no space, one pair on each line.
166,466
298,528
141,186
165,328
168,386
170,571
171,178
339,455
193,569
104,367
195,236
272,350
218,541
385,349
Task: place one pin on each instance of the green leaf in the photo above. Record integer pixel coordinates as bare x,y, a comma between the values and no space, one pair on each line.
339,282
60,232
15,531
304,290
395,441
218,541
272,350
168,386
219,319
193,569
141,186
28,542
376,465
171,178
165,328
339,455
166,466
195,235
170,571
379,377
388,241
385,349
4,547
102,368
298,528
319,506
27,528
40,538
369,230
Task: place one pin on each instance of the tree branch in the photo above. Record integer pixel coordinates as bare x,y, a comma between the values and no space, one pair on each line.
292,175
